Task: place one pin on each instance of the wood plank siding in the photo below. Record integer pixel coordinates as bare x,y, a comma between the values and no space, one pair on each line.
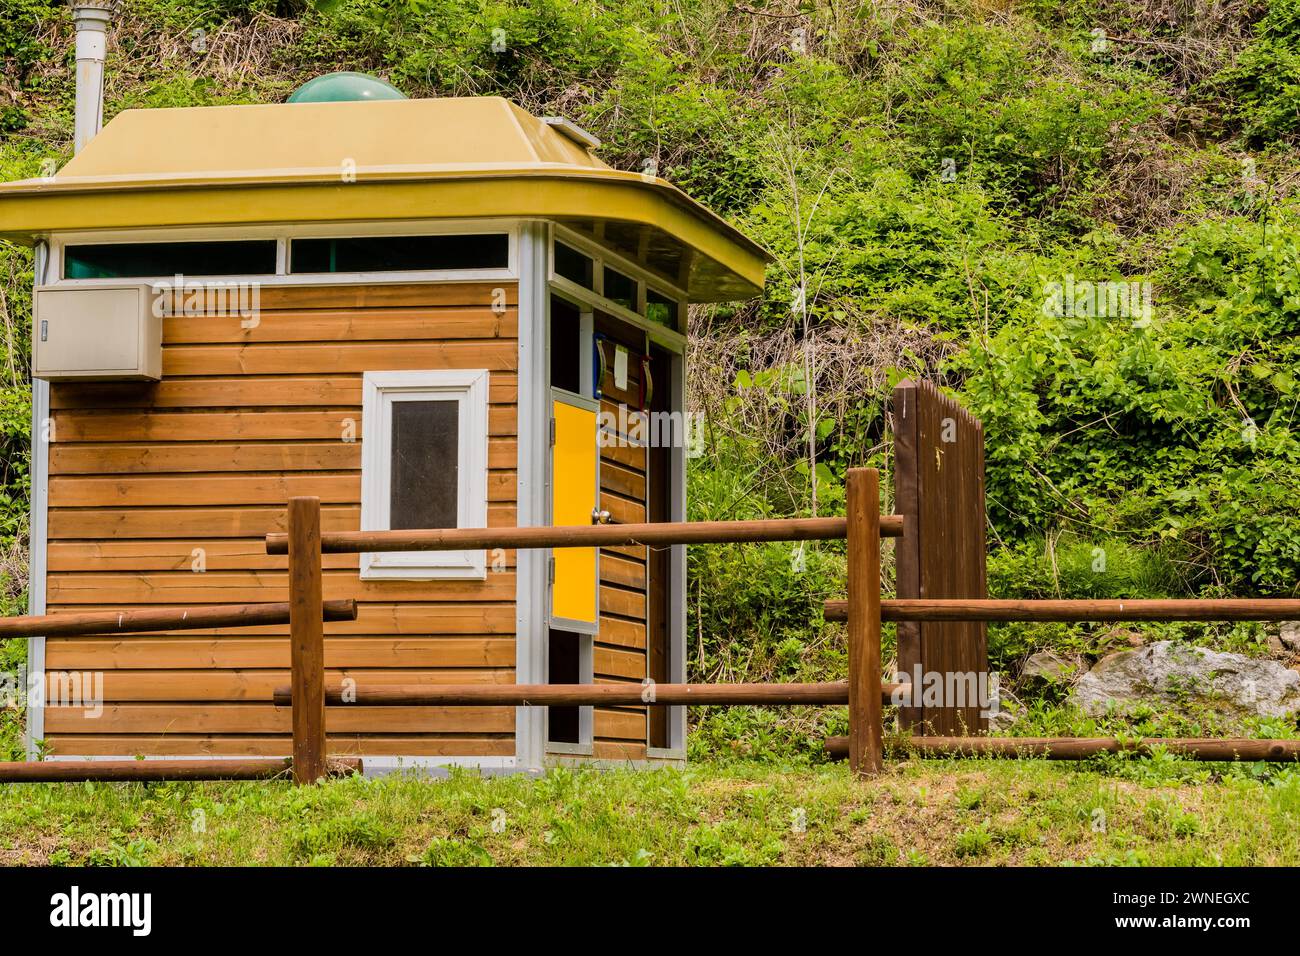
146,478
619,655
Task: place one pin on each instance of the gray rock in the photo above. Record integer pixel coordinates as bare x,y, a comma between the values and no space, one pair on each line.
1047,666
1289,635
1004,718
1004,710
1175,673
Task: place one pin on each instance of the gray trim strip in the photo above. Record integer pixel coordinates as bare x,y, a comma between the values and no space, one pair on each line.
37,535
677,566
530,596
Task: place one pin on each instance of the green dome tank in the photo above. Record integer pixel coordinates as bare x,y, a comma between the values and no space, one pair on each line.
345,88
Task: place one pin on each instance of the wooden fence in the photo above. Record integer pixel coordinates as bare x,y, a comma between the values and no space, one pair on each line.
941,611
864,693
864,610
167,619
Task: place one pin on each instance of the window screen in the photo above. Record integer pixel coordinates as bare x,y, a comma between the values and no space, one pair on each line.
574,266
660,309
399,253
620,288
129,260
424,465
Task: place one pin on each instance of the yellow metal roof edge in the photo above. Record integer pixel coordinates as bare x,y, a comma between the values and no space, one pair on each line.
215,178
43,189
27,212
34,188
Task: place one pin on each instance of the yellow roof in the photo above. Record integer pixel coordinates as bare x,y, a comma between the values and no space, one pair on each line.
376,160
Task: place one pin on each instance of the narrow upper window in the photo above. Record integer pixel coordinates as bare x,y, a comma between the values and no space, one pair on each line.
400,253
566,346
130,260
660,308
424,465
574,266
620,288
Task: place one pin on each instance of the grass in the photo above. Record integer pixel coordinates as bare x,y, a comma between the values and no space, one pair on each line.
1147,811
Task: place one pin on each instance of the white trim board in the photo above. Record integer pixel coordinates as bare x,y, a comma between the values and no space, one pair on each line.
677,568
371,766
530,571
423,765
38,527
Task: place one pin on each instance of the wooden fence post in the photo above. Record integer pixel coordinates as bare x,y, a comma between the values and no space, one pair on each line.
866,730
307,640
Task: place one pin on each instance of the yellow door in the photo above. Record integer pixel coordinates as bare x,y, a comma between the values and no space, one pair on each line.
575,484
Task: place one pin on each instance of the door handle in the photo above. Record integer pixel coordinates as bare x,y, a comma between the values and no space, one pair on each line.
598,373
601,517
647,384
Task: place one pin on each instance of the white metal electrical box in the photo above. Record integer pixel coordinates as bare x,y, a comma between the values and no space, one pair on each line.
103,333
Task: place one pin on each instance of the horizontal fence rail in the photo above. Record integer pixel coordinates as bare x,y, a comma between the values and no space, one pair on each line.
121,771
165,619
958,609
587,536
864,692
1081,748
590,695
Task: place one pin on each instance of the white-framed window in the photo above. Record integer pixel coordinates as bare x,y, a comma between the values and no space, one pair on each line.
424,465
428,251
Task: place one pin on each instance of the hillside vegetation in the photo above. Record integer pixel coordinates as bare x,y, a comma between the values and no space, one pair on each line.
946,186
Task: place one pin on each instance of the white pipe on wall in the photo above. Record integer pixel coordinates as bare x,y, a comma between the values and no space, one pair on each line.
91,20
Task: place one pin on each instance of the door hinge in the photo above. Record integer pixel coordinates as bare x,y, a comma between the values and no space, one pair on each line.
550,570
552,432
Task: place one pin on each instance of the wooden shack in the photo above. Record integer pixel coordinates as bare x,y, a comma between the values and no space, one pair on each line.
427,313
